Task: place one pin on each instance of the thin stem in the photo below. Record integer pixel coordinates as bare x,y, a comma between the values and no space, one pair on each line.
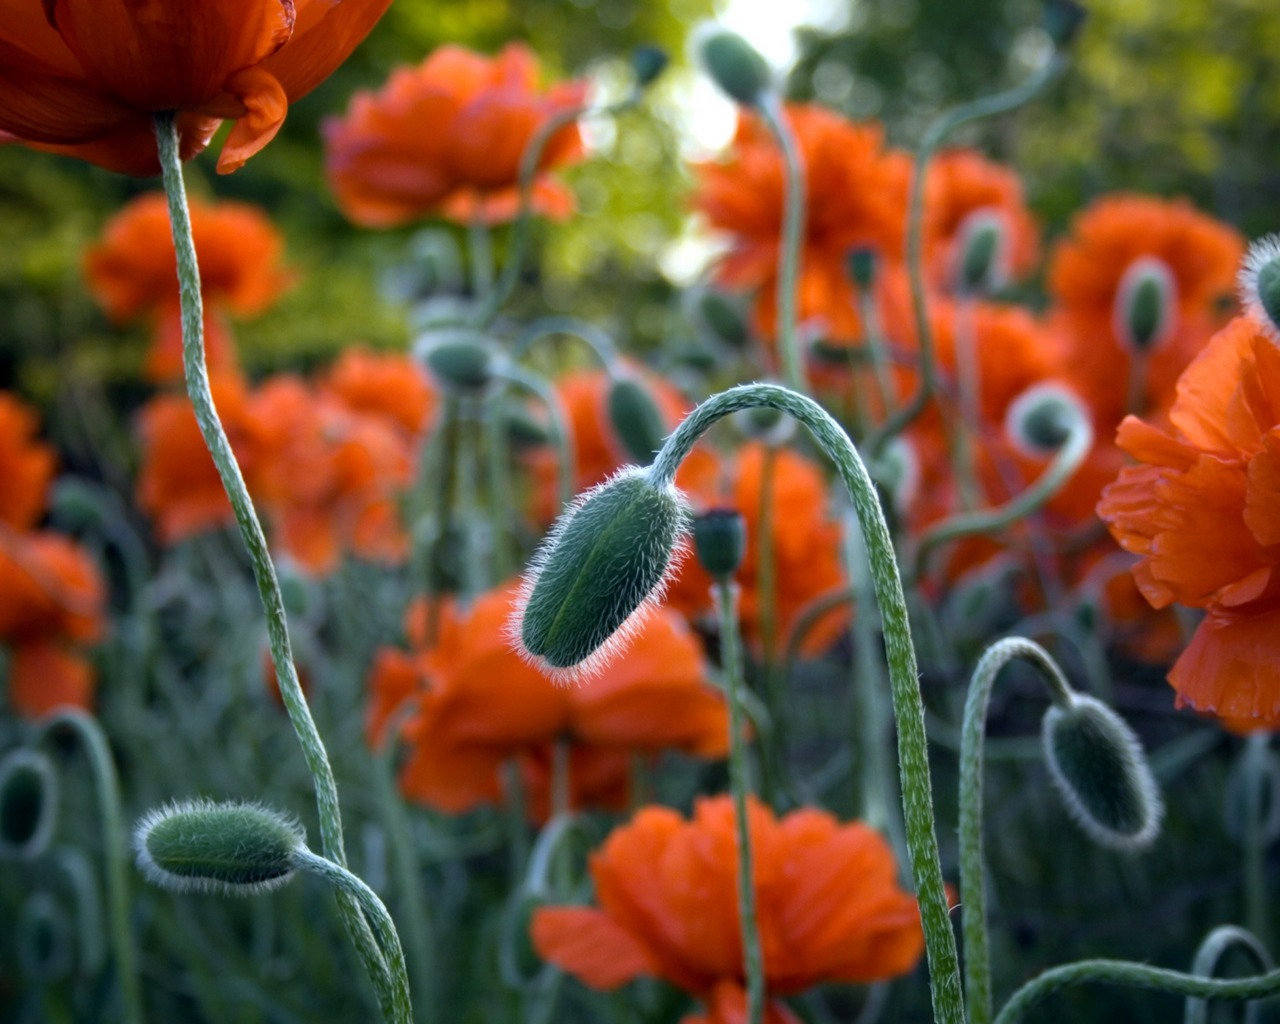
480,249
1258,793
789,255
106,785
255,541
933,138
913,750
726,598
1123,972
1215,945
501,497
373,909
977,954
595,338
561,437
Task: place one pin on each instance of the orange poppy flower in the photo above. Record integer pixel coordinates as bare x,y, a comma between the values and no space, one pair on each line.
26,465
857,194
1202,512
479,705
386,170
51,597
86,78
389,385
1196,255
828,906
133,273
804,537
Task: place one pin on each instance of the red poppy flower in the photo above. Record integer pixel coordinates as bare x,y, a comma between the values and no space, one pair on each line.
479,705
1203,513
389,385
386,170
86,78
26,465
856,193
828,906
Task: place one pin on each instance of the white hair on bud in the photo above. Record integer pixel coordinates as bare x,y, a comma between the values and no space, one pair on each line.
1261,253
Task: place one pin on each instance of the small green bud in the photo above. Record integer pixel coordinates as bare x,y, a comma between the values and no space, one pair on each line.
44,939
636,419
764,423
1042,418
231,848
1260,284
981,254
463,362
734,65
862,266
722,318
647,63
28,804
1063,20
606,561
1102,774
720,541
1146,304
524,430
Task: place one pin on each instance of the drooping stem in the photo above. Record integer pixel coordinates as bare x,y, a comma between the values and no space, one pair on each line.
740,783
1215,945
913,753
595,338
396,980
1259,792
977,954
789,255
255,541
560,435
107,787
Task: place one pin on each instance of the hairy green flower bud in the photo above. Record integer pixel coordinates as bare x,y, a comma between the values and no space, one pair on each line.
1146,308
734,65
28,804
604,564
231,848
1260,284
1102,774
982,253
1041,419
720,541
721,317
862,266
647,63
636,419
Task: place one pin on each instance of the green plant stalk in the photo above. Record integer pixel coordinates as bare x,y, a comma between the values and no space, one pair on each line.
913,750
595,338
936,134
1066,461
480,248
501,496
789,255
740,783
561,437
1134,975
106,785
977,952
969,392
1216,943
873,340
397,978
1256,899
255,541
774,744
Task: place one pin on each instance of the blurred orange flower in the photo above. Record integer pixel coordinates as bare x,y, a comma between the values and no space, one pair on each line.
856,191
26,465
389,385
827,897
1087,274
478,705
447,137
1202,511
86,78
133,273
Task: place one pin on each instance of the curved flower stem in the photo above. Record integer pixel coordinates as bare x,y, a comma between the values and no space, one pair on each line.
396,979
793,218
1259,791
726,598
1124,972
595,338
1065,462
913,750
1216,943
977,954
107,786
937,133
215,438
561,436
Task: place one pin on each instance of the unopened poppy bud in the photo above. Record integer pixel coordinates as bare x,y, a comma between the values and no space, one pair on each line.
861,264
44,939
524,431
28,804
734,65
764,423
722,318
461,362
720,541
1063,20
1042,418
606,561
231,848
1260,284
636,419
982,263
1102,774
1146,304
647,63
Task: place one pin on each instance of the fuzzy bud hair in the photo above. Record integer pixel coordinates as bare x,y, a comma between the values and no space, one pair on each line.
1259,284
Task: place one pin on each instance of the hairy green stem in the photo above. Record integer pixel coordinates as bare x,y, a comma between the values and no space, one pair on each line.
913,749
789,255
977,953
1215,945
255,541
